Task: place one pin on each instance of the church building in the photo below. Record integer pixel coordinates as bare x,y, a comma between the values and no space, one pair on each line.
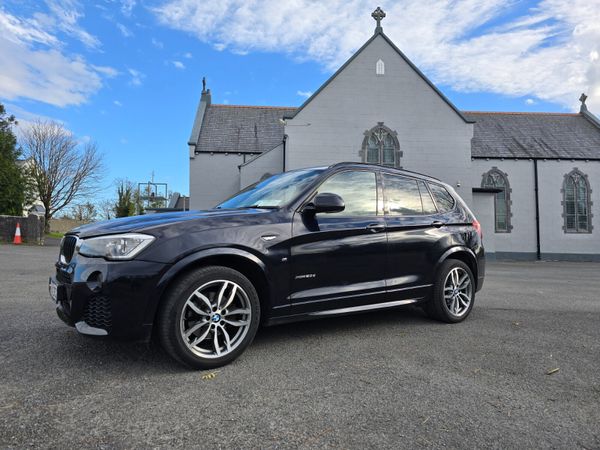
532,179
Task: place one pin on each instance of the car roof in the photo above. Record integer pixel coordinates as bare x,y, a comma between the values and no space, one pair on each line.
350,164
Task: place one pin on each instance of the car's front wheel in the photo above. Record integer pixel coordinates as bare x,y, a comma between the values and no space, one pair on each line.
209,317
453,293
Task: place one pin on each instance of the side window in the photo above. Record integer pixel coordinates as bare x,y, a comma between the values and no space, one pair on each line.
358,189
442,197
428,205
403,196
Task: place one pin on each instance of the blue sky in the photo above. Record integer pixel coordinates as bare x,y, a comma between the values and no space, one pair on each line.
127,74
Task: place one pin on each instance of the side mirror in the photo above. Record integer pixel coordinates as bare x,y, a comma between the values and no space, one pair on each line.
325,203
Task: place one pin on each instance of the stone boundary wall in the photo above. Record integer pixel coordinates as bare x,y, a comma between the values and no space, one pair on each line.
32,228
64,225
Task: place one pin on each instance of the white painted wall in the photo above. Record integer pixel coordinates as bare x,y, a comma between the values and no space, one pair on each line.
483,208
553,238
213,178
267,162
522,237
433,137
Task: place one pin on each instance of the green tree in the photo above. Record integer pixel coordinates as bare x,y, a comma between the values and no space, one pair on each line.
126,199
12,181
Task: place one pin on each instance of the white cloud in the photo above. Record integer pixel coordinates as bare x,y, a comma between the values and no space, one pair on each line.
127,7
157,43
178,64
117,103
550,52
64,16
35,64
136,77
187,55
126,32
26,118
304,94
110,72
530,101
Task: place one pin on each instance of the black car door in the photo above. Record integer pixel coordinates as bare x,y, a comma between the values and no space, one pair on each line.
338,259
414,230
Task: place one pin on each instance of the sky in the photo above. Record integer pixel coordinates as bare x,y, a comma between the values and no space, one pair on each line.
127,74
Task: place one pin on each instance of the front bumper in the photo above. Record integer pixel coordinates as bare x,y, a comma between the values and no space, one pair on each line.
107,298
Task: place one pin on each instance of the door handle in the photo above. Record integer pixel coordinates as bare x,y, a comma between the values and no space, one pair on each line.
375,227
438,223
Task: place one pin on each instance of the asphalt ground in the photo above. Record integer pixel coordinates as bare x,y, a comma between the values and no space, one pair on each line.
390,379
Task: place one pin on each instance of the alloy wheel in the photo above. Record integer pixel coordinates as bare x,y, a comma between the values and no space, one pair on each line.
458,291
215,319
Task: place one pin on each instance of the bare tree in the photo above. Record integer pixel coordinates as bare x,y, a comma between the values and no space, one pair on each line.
107,209
63,171
84,212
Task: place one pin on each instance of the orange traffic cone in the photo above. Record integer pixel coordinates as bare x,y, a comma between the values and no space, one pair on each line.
17,239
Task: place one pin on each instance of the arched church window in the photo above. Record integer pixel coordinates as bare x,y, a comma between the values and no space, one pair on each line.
380,67
381,146
497,179
576,203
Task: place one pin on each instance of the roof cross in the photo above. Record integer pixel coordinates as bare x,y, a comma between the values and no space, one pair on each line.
582,99
378,15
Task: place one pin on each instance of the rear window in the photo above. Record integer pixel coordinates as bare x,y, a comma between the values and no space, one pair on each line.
443,199
407,197
428,205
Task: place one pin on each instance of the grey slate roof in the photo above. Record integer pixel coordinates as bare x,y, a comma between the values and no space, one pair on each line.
233,128
257,129
534,135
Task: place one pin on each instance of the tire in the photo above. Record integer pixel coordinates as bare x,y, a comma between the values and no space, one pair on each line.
208,317
447,304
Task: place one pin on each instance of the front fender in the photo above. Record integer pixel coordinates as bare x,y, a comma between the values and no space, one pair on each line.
193,259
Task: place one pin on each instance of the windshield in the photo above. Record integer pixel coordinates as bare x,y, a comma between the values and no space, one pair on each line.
274,191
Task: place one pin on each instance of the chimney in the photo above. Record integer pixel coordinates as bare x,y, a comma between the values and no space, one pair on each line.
205,97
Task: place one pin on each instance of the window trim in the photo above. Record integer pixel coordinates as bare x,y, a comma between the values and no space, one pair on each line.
379,192
386,209
588,201
363,153
507,199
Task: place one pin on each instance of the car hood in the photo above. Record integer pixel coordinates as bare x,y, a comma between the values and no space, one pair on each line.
205,220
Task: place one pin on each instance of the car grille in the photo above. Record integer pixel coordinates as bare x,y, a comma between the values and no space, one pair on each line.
97,313
68,248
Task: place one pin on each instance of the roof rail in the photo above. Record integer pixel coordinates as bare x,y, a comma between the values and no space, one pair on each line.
354,163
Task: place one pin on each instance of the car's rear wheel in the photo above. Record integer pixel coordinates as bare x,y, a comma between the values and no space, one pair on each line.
453,294
209,317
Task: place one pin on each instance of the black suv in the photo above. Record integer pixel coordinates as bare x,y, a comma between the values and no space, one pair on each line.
300,245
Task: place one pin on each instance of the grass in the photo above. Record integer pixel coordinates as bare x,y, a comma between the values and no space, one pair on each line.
54,234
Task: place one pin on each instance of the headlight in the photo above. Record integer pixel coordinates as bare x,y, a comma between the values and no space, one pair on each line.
116,246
